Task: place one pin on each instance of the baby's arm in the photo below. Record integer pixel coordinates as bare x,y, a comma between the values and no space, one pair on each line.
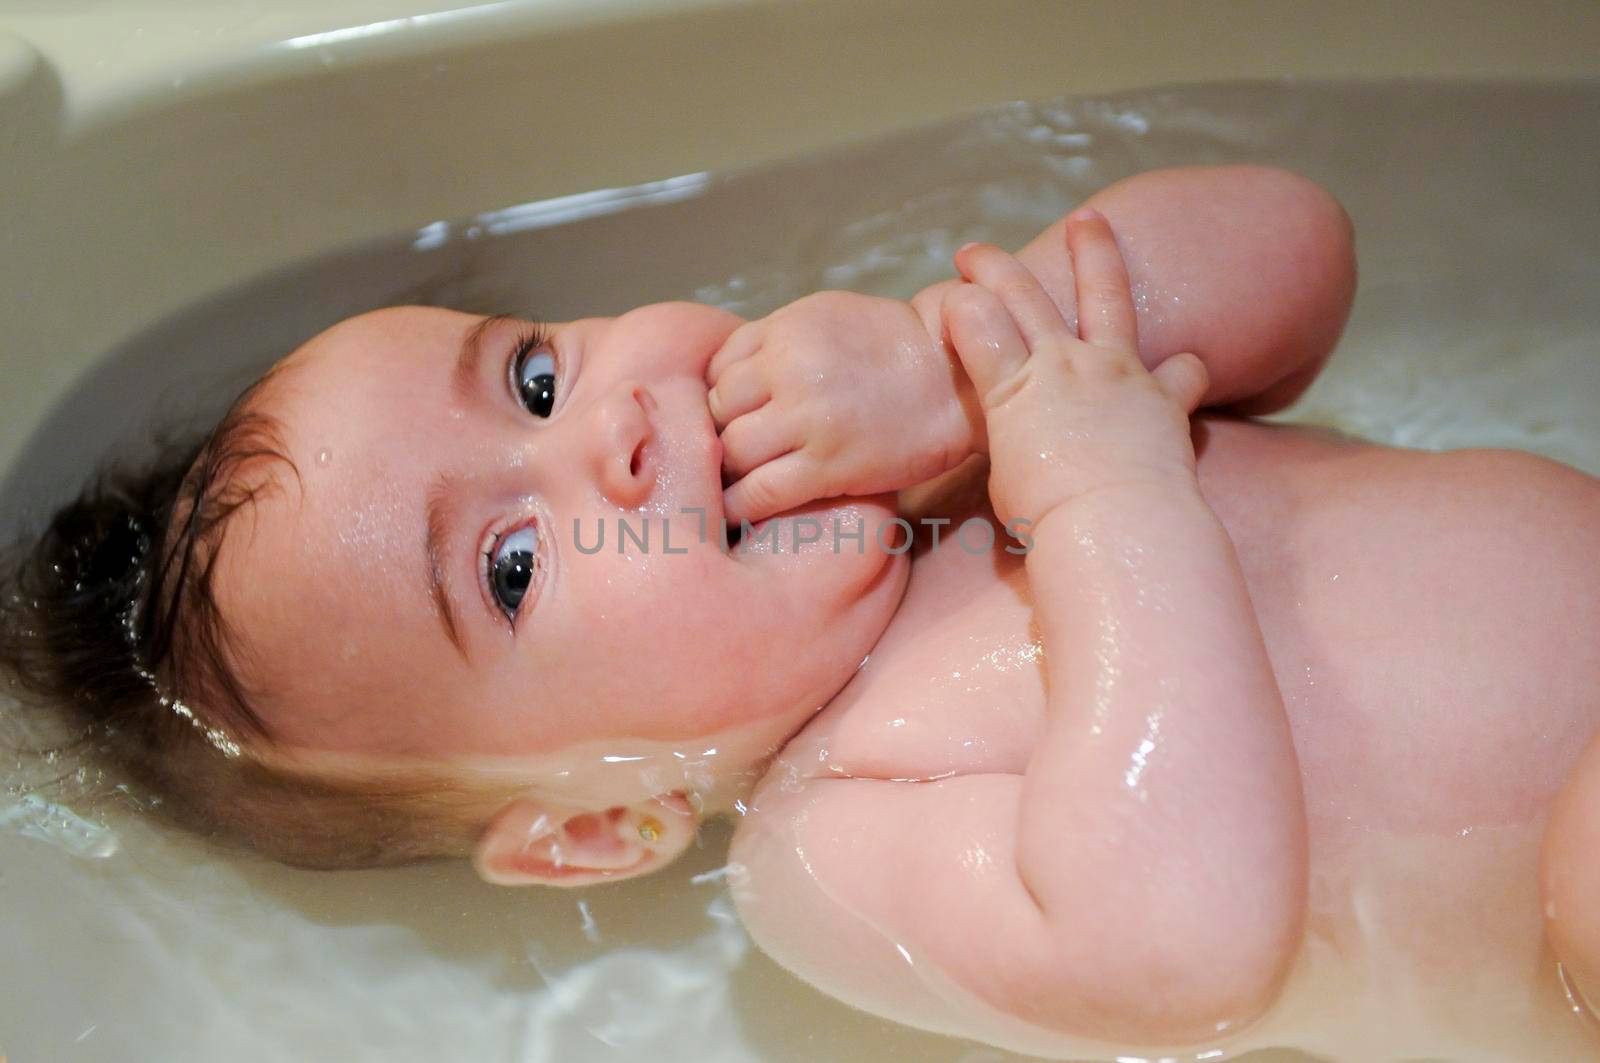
1250,268
1161,831
1144,882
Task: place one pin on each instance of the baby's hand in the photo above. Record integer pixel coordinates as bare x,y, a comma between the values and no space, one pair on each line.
834,394
1068,415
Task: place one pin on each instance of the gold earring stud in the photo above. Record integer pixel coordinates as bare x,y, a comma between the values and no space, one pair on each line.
649,830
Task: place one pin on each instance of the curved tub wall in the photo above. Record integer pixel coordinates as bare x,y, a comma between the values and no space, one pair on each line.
153,152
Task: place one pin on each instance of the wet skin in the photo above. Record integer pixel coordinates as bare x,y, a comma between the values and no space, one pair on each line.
698,667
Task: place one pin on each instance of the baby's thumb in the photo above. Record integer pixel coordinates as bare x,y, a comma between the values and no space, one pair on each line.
1184,378
782,483
986,340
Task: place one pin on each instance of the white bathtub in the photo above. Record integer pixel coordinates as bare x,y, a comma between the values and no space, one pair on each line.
190,188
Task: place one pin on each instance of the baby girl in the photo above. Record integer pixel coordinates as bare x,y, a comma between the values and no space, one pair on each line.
1112,729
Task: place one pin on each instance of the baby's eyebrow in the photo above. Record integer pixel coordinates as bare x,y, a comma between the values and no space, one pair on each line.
465,378
440,513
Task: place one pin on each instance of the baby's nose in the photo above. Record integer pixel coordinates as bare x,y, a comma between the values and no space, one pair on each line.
626,435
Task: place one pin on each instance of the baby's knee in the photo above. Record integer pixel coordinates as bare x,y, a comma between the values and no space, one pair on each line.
1569,876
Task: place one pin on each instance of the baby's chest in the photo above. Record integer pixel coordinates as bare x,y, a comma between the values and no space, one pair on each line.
955,687
1419,674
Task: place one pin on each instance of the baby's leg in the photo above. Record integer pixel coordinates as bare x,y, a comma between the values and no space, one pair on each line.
1251,268
1570,878
1565,533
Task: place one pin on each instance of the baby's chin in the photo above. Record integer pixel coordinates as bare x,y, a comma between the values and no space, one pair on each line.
849,558
820,531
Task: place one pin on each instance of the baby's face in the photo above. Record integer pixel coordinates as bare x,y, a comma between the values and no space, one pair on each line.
420,589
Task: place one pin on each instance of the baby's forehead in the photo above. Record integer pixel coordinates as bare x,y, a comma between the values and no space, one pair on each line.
323,552
338,444
380,337
343,379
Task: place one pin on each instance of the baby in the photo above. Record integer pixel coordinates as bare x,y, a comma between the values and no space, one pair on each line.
1211,734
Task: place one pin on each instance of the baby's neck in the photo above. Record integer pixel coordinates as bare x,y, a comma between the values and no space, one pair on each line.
716,773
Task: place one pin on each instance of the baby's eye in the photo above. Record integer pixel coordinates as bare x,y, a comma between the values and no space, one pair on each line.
536,381
511,562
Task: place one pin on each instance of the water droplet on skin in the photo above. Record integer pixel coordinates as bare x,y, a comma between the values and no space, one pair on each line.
324,456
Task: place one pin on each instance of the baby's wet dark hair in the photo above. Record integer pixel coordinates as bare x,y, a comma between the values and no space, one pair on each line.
115,648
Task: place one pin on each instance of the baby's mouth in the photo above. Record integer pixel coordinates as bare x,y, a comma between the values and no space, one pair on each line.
720,482
731,531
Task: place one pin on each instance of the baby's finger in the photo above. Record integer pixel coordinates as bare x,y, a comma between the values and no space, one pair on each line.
1036,314
1184,378
741,388
986,340
740,344
774,487
754,439
1105,303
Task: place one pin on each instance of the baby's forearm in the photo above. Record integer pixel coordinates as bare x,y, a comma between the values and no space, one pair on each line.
1162,823
1250,268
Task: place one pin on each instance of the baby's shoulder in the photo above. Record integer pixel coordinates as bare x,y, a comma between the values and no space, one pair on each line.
1486,560
1539,518
1518,502
1518,472
1495,525
1249,468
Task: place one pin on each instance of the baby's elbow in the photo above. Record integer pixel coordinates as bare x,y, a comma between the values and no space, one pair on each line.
1217,996
1294,196
1206,994
1331,240
1315,231
1175,979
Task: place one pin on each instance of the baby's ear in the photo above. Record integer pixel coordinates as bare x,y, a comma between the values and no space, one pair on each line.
535,841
